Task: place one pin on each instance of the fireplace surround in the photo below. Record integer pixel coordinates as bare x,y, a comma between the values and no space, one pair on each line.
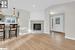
37,26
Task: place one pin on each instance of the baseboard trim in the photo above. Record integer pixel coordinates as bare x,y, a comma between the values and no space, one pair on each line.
22,33
69,38
57,32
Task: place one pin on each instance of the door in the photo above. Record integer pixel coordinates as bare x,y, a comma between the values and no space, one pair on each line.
57,23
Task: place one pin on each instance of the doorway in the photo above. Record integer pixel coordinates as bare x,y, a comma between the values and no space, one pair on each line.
57,23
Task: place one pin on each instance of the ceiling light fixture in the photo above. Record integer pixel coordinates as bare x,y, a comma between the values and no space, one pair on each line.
52,13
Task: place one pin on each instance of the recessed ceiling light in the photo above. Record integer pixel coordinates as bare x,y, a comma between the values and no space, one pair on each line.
33,5
52,13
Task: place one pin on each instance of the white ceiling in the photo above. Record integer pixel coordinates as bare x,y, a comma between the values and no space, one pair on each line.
36,5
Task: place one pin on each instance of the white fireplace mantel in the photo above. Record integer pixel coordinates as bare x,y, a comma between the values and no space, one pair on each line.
32,22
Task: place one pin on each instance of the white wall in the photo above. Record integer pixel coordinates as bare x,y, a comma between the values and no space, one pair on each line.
69,11
47,23
69,21
24,21
37,15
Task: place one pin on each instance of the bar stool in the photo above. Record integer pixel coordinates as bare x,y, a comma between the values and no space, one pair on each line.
2,29
13,27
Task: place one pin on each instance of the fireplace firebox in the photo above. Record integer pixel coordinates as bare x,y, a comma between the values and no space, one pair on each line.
37,26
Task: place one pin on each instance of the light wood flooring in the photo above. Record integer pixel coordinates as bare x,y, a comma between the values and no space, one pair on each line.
55,41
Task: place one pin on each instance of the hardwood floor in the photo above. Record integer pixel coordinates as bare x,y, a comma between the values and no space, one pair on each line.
55,41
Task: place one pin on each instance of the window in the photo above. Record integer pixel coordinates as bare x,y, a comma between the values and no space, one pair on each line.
4,3
57,20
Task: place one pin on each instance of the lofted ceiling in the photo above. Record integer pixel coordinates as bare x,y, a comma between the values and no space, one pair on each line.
35,5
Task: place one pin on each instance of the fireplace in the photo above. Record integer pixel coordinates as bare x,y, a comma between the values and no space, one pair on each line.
37,26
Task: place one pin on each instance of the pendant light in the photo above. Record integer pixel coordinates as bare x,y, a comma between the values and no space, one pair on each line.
14,12
0,8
